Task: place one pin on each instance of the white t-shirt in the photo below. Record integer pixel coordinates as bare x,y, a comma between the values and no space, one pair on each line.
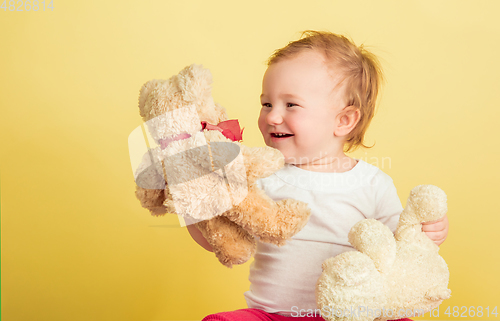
283,279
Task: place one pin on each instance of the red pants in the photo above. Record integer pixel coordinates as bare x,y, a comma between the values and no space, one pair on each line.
260,315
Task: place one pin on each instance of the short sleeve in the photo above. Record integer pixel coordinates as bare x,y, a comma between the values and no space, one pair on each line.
389,207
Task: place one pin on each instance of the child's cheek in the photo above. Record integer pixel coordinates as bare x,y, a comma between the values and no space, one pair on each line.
262,129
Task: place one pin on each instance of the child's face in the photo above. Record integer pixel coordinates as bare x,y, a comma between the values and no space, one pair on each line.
298,99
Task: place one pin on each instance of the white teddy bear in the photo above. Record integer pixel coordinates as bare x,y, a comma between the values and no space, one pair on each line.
390,276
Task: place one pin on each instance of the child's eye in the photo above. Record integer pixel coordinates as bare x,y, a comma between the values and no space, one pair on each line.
266,105
291,105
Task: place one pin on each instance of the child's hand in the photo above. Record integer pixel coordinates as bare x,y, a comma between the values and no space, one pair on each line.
437,231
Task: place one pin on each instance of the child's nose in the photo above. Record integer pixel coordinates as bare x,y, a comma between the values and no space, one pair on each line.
274,117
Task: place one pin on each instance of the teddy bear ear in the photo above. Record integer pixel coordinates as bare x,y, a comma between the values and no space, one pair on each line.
195,83
144,93
376,240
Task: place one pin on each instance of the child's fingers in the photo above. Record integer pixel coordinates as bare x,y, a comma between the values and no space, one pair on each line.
435,227
437,237
442,219
437,231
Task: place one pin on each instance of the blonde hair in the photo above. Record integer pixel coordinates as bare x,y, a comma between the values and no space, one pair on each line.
361,70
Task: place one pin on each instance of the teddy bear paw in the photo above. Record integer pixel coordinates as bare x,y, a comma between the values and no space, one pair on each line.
289,218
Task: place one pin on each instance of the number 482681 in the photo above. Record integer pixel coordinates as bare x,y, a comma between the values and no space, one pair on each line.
465,312
27,5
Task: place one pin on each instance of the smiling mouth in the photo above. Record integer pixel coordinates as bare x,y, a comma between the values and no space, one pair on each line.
280,135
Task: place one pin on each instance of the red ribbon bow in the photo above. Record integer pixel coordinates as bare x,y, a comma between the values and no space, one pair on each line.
229,128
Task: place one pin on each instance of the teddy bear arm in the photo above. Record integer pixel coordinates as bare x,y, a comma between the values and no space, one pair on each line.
261,161
271,222
230,243
151,199
438,293
152,191
425,203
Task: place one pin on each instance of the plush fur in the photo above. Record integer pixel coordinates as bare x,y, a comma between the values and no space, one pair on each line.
211,179
393,276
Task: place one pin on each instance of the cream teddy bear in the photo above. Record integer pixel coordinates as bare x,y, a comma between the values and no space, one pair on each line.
200,171
389,276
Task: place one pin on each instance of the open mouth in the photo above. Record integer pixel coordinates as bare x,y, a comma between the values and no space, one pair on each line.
280,135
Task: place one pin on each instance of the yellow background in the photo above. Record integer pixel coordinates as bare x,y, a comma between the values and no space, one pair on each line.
76,245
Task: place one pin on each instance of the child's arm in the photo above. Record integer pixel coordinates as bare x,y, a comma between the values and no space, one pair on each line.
198,237
437,230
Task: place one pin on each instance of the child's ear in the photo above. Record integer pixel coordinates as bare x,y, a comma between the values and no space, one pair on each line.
346,120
